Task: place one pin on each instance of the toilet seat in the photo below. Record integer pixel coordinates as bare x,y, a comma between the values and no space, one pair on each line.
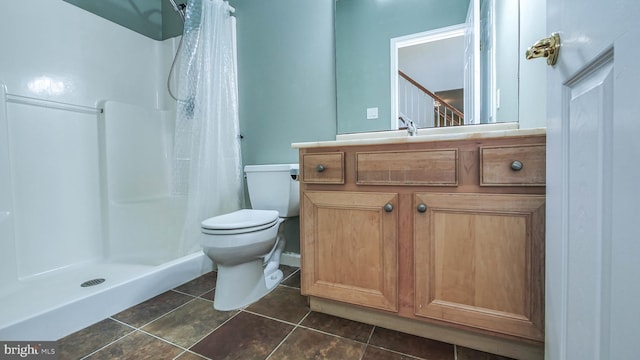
240,222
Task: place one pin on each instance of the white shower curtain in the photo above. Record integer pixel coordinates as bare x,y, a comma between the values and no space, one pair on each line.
207,160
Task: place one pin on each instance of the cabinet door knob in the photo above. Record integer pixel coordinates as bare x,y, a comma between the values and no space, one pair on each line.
517,165
320,168
422,208
388,207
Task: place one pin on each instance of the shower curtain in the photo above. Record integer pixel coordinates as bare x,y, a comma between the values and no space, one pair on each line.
207,161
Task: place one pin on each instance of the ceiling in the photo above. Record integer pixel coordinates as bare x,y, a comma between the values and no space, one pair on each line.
153,18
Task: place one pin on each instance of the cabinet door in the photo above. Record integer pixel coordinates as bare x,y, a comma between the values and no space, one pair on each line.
349,247
479,261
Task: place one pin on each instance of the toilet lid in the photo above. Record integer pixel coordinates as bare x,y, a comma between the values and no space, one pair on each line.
242,219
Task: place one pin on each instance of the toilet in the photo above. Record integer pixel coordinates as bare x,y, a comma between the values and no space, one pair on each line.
246,244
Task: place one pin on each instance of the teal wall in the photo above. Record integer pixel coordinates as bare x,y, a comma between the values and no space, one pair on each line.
286,81
364,29
286,76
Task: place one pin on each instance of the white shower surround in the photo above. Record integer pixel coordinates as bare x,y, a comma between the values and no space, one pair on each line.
51,241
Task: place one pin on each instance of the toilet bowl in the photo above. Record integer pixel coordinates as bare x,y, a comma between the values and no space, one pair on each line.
246,244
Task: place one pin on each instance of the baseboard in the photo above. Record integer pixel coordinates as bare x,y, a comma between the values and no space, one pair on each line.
452,335
290,259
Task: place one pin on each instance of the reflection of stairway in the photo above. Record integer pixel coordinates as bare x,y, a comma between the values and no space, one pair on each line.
423,107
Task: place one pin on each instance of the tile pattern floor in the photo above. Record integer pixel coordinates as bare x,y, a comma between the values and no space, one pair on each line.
182,324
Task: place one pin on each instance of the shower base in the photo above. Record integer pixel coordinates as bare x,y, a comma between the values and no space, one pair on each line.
50,306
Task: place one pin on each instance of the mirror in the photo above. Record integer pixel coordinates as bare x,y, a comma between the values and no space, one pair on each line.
426,41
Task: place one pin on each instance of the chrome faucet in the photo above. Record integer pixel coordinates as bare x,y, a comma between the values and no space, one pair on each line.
411,128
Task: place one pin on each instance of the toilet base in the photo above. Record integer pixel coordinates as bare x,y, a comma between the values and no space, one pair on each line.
241,285
272,280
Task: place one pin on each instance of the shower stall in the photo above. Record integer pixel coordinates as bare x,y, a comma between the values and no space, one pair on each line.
89,225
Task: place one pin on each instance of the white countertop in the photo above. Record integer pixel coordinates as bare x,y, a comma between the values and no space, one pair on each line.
487,131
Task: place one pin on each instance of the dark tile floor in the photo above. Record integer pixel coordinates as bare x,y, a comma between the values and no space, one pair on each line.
182,324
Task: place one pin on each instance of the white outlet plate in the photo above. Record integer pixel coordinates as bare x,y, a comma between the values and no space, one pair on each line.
372,113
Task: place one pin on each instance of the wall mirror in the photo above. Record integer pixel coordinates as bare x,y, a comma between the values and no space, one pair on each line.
435,63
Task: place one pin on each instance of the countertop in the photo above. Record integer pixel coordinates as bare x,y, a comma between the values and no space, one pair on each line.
425,135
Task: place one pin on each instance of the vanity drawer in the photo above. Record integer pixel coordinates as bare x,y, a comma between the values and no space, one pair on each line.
325,168
421,167
521,165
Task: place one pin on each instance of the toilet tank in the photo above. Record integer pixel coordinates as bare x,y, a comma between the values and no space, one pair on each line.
274,187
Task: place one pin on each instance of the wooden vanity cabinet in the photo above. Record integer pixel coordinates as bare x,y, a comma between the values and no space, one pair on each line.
479,261
449,234
351,244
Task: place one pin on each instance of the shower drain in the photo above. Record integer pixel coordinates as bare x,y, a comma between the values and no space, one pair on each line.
92,282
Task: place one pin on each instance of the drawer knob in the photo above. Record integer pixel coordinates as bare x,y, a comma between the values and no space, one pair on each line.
422,208
320,168
388,207
517,165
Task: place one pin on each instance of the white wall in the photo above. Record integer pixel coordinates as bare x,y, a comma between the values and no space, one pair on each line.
8,270
144,220
55,51
507,60
435,65
84,57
